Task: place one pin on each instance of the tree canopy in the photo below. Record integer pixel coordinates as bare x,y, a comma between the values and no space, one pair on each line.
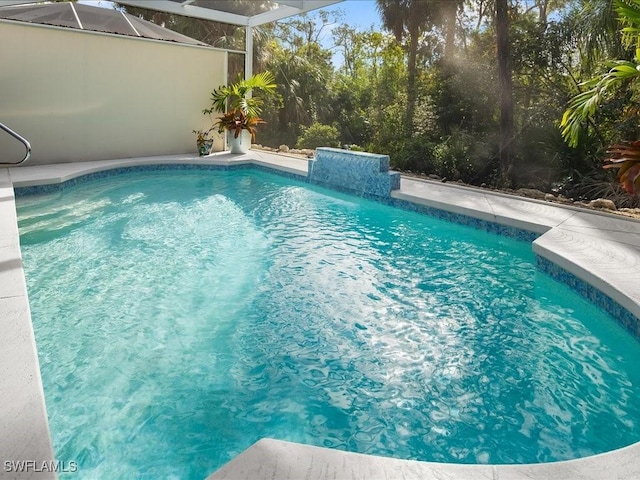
471,90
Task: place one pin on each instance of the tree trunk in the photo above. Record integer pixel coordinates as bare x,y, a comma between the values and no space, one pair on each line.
451,15
506,91
411,81
543,9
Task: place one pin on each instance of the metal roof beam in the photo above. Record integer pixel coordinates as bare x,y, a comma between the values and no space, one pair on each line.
292,7
287,8
189,11
9,3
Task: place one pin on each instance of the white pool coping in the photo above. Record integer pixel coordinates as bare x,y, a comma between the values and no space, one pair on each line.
601,249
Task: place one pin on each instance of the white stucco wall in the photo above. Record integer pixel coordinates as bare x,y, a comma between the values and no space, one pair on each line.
79,96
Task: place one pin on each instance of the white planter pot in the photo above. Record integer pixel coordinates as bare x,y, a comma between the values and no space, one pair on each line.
242,144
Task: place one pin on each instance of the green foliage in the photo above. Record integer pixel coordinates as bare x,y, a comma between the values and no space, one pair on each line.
461,157
629,15
411,154
460,104
582,107
303,73
240,111
348,116
453,129
424,118
618,82
448,80
593,29
597,183
387,126
237,96
354,148
318,135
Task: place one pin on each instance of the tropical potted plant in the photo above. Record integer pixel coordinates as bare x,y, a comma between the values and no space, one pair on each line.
241,129
203,141
240,111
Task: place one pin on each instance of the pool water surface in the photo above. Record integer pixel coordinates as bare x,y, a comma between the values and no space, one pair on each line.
182,316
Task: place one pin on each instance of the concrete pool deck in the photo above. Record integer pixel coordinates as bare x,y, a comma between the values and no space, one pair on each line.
600,249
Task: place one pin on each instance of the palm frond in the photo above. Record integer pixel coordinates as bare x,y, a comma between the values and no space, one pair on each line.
583,106
236,95
629,16
595,28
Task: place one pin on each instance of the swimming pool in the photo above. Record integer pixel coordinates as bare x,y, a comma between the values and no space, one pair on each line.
296,232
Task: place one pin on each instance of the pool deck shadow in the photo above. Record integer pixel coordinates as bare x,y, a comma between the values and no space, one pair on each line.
600,249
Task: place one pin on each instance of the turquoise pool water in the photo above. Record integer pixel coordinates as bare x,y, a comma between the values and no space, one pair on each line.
182,316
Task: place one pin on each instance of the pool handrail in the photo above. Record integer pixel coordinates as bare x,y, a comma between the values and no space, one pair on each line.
23,140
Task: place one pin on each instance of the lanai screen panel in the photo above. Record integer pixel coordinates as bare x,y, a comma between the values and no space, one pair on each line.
246,8
60,14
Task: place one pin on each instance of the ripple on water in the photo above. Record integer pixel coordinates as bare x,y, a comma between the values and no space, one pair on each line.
181,318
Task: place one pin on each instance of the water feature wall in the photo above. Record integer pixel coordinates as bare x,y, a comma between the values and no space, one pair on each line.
364,173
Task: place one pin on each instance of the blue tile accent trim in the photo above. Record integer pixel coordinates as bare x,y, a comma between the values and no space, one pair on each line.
492,227
300,177
360,172
623,316
58,187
